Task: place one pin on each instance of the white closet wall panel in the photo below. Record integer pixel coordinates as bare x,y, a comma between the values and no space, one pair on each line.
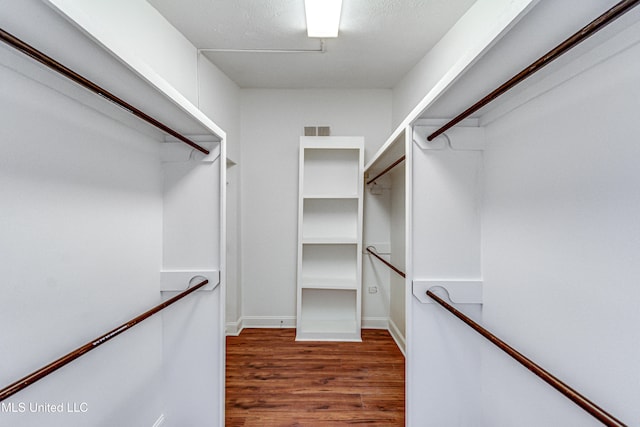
443,383
397,286
386,197
447,214
86,200
192,330
191,215
77,240
561,244
546,216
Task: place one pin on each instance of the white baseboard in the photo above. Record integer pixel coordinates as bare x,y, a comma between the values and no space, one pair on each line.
159,421
233,329
268,322
375,323
397,336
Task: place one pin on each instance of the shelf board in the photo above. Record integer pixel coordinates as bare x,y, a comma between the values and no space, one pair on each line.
330,196
329,283
328,330
392,150
324,240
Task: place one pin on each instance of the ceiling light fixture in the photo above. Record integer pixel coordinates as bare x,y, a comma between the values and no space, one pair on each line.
323,17
321,49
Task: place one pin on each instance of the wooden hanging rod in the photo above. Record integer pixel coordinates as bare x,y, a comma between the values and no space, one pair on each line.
393,165
599,413
594,26
23,383
88,84
387,263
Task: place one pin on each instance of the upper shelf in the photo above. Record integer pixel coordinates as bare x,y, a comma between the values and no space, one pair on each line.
330,196
127,78
392,150
495,58
524,45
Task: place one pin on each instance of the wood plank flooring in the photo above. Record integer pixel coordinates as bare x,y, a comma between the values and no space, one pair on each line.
272,380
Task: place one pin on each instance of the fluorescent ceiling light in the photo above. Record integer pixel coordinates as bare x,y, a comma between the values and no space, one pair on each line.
323,17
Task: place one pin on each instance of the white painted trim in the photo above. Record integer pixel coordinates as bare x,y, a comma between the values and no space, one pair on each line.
408,295
375,323
233,329
268,321
397,337
222,250
384,323
290,322
159,421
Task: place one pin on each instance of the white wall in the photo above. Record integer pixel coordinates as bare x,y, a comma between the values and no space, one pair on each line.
271,124
75,261
143,35
560,248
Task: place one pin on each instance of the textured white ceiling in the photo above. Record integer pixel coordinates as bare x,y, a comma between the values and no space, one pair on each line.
379,41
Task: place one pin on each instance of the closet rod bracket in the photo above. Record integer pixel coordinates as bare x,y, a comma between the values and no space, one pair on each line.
179,280
460,291
461,138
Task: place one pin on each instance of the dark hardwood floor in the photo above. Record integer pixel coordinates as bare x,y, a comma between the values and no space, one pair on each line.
272,380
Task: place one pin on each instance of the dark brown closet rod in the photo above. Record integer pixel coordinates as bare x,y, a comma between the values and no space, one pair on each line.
594,26
554,382
12,389
393,165
388,264
88,84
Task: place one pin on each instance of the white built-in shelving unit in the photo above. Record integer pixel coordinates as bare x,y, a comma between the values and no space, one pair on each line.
330,238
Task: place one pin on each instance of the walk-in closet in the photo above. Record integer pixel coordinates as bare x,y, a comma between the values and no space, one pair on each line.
427,216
